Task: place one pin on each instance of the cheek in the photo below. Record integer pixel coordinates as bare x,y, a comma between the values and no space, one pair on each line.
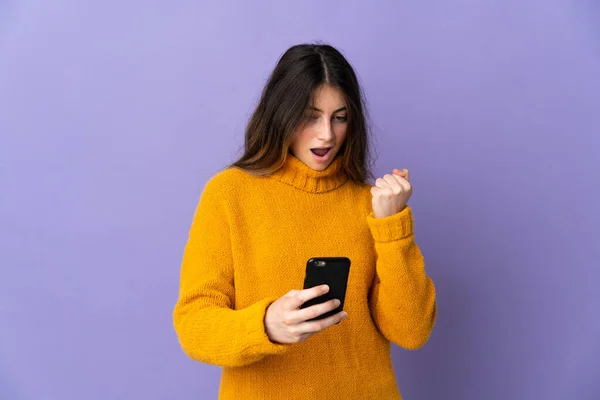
301,138
305,135
340,133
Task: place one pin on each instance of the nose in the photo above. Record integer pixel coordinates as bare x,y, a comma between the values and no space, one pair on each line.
325,131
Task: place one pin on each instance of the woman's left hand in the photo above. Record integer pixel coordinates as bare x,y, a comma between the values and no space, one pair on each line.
391,193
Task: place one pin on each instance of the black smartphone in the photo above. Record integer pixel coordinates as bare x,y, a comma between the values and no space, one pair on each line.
331,271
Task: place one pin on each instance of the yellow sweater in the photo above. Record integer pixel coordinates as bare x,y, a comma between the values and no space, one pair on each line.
248,245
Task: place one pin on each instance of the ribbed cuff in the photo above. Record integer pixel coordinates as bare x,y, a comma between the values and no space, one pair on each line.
395,227
258,341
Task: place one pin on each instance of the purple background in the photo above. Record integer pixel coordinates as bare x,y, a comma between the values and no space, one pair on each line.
113,115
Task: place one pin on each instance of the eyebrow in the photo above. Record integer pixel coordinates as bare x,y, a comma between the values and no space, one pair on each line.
336,111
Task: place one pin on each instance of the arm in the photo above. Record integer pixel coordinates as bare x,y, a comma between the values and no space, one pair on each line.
402,300
209,329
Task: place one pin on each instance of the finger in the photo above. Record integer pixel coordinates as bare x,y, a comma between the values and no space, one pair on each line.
396,184
385,192
403,183
406,186
304,295
314,311
381,183
375,191
403,173
312,327
393,181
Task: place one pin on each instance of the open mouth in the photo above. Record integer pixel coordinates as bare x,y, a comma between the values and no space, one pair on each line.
321,152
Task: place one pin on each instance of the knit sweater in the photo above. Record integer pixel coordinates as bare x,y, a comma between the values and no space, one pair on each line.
248,246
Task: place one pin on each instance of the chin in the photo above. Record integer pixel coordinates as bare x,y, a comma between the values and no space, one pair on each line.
319,167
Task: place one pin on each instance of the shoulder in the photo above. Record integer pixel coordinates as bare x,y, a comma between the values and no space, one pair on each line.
227,183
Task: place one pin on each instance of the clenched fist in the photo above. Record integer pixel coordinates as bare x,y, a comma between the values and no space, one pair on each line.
391,193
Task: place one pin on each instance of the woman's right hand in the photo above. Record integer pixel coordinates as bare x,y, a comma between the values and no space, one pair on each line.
286,323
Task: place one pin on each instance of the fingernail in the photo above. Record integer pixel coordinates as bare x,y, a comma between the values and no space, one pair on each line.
344,314
337,302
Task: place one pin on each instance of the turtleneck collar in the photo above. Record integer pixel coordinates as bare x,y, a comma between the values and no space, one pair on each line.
295,173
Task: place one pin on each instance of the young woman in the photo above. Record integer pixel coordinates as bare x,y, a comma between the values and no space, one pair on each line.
300,191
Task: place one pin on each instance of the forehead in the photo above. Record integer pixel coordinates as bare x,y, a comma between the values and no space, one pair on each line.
327,96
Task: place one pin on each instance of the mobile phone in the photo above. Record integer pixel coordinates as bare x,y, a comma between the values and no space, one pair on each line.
331,271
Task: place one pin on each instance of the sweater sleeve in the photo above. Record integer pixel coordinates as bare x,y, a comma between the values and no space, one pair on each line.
208,326
402,301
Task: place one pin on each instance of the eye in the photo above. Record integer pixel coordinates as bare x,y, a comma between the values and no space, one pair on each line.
341,118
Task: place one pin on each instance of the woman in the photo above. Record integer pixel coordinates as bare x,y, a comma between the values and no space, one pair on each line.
299,191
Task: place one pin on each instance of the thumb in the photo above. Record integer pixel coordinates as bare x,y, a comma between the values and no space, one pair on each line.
401,172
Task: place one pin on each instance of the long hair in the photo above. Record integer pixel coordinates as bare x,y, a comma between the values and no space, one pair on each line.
282,108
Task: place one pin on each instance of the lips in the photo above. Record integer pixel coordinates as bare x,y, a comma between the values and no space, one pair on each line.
321,151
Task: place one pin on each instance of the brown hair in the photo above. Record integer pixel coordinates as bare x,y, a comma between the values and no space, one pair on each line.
282,107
